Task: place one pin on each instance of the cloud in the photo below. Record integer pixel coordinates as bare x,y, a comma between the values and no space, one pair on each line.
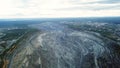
95,1
94,7
58,8
108,1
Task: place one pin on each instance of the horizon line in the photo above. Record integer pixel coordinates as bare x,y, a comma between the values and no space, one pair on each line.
56,17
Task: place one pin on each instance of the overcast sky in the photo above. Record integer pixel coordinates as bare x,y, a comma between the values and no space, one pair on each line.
58,8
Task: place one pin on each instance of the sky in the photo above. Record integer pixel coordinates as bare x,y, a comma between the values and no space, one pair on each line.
58,8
